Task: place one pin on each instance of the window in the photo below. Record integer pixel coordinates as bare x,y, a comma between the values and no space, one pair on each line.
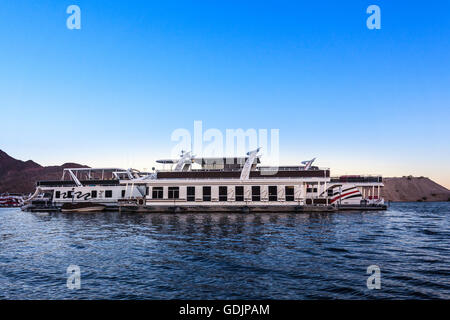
289,193
315,190
206,193
273,194
57,194
309,190
157,193
223,193
147,190
256,193
93,194
108,194
190,194
123,193
174,192
330,192
239,193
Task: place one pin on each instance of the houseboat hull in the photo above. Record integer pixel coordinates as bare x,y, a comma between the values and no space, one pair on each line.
82,207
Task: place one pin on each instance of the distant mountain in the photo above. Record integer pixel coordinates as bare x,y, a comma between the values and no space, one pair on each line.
18,176
414,189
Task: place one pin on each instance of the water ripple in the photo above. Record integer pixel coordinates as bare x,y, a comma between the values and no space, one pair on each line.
227,256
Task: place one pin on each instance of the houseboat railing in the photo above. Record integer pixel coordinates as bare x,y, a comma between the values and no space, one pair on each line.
361,179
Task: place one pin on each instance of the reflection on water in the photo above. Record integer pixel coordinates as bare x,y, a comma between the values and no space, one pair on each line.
227,256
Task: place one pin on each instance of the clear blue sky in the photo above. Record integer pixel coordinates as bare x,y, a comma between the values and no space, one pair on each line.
111,94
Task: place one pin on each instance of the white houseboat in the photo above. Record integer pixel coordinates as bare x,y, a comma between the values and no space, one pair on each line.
241,185
238,184
84,190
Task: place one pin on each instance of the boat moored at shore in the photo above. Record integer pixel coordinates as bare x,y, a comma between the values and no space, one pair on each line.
10,200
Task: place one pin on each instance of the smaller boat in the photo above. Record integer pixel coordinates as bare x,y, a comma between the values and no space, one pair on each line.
82,207
11,200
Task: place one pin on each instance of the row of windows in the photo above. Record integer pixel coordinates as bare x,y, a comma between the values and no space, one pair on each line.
174,193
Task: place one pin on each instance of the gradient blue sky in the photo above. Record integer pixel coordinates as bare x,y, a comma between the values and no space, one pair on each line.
111,94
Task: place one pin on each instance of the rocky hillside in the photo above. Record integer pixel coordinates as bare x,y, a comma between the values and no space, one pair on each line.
414,189
18,176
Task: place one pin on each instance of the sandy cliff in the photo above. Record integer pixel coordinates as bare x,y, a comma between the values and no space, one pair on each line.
414,189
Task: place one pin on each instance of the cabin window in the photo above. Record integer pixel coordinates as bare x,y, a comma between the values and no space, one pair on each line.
93,194
309,190
157,193
108,194
57,194
190,194
123,193
330,192
256,193
223,193
315,190
174,192
239,193
289,193
147,190
273,194
206,193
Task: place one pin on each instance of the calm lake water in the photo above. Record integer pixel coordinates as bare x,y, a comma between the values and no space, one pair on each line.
227,256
